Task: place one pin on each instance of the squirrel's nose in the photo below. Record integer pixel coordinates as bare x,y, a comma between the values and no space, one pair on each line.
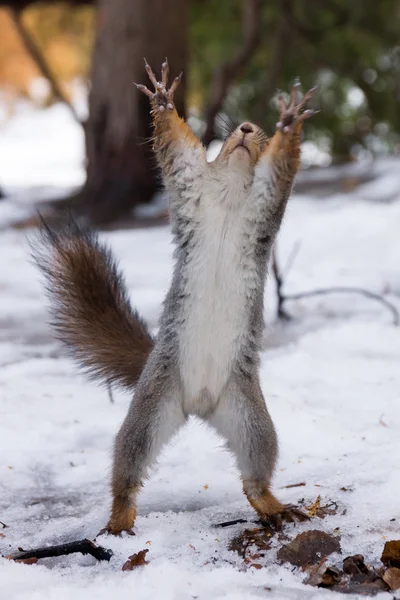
246,128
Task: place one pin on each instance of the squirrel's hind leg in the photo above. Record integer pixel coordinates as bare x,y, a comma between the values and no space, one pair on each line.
242,418
154,416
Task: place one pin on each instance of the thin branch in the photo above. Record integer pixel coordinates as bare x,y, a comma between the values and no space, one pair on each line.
83,546
291,259
35,53
225,74
279,54
110,392
347,290
281,313
230,523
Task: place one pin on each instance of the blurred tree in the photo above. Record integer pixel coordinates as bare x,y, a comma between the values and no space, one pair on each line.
120,166
351,49
48,40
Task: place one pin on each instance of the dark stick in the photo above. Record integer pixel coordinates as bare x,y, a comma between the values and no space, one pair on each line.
230,523
293,485
281,313
110,394
83,546
346,290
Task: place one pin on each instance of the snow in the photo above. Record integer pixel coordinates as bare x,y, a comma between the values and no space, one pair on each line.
331,379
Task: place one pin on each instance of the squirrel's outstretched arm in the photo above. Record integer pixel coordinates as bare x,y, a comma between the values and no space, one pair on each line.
180,154
279,163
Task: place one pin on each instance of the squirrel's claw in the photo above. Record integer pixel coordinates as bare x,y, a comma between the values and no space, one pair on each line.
144,89
294,94
165,72
162,98
291,112
151,75
175,84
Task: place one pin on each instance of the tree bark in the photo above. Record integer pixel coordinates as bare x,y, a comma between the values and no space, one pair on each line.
120,165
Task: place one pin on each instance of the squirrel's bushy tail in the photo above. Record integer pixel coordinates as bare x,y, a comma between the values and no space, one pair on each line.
91,312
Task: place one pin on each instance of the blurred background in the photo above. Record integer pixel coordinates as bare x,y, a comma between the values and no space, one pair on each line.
74,131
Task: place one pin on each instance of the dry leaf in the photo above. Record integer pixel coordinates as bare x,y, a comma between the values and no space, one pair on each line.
322,576
136,560
354,565
391,554
312,509
392,578
309,548
250,540
316,510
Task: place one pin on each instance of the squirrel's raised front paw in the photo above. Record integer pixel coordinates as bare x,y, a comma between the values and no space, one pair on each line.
162,98
291,114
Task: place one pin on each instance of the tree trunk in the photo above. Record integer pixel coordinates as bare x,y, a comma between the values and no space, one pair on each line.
120,165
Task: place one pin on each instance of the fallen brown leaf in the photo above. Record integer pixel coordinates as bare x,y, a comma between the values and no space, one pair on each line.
252,540
136,560
391,554
309,548
312,508
392,578
316,510
322,576
354,565
355,578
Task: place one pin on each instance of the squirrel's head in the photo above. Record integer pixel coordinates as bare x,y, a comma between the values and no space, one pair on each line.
243,148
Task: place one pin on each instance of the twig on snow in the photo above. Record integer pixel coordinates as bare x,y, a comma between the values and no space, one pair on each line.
282,297
347,290
83,546
230,523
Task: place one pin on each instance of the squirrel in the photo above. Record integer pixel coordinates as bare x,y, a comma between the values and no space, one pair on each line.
225,216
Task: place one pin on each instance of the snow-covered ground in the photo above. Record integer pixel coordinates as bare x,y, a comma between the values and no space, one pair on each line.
331,378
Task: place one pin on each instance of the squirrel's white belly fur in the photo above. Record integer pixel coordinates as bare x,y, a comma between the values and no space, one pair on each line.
220,272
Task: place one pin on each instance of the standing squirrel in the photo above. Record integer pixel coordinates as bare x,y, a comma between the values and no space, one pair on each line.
204,361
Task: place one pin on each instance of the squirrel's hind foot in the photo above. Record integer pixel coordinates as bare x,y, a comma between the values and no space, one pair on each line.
270,510
122,518
288,514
